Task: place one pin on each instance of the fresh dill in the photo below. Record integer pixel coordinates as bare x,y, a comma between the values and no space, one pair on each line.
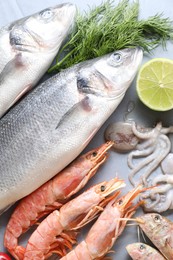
107,27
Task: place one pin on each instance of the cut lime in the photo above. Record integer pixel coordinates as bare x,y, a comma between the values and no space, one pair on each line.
155,84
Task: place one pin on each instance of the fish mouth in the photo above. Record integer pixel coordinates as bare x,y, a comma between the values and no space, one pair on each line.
140,220
136,54
129,248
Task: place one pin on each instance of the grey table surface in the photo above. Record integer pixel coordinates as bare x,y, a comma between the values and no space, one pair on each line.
117,163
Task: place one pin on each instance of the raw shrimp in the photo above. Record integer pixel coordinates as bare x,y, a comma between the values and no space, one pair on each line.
141,251
106,229
159,230
51,195
71,216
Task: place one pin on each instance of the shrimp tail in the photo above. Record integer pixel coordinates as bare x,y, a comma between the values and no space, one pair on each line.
13,248
20,250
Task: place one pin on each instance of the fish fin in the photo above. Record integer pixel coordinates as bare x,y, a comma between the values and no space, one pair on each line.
16,62
19,251
82,104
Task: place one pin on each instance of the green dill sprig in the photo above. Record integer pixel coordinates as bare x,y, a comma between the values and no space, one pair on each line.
107,27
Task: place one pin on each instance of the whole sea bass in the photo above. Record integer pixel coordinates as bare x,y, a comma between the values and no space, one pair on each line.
53,123
28,47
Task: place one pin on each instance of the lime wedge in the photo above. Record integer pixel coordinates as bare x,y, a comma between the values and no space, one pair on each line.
155,84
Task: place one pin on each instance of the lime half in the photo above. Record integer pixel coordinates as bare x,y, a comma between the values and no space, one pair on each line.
155,84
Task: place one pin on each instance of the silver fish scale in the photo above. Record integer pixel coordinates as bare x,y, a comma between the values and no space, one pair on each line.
27,130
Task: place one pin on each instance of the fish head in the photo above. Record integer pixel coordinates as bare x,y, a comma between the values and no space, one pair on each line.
138,250
153,223
118,69
44,30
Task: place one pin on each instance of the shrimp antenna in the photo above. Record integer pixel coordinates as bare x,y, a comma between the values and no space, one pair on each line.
132,224
132,219
127,219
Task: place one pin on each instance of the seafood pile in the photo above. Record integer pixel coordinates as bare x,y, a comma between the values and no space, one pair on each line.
58,231
148,149
42,136
52,195
64,217
49,128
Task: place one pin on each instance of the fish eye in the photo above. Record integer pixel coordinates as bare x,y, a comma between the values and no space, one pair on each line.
117,56
120,202
94,154
115,59
141,247
157,218
103,187
46,14
15,40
